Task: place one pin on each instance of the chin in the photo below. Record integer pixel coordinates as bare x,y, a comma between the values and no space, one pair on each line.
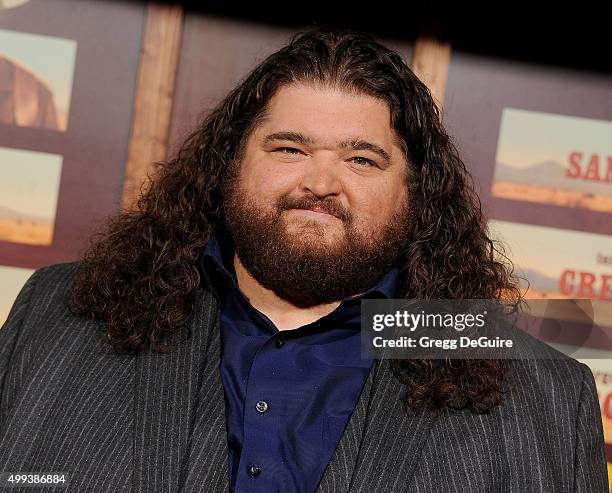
314,239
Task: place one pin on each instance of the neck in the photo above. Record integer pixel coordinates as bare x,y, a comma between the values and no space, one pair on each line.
282,313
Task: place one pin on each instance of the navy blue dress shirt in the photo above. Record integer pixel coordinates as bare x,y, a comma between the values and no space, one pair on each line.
289,394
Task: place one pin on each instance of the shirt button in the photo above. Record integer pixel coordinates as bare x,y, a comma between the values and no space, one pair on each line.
261,406
254,470
279,342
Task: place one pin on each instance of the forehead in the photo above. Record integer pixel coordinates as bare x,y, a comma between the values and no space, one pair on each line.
328,114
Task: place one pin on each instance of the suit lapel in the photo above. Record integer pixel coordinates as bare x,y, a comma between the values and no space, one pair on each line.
393,437
166,395
337,475
381,444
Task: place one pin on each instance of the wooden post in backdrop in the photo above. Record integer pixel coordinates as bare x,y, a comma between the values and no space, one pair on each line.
430,61
154,92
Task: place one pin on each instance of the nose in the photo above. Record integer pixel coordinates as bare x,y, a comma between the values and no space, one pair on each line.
321,177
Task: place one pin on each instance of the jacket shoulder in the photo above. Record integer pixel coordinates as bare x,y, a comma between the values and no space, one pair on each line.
41,302
56,272
541,364
551,384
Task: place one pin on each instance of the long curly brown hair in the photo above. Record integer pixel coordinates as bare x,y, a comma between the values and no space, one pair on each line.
139,273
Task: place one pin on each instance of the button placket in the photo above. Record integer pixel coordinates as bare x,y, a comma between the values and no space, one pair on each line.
255,449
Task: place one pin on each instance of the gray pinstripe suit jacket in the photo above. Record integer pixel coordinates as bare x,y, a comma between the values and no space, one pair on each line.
120,423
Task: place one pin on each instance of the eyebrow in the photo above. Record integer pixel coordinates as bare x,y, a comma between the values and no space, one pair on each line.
353,144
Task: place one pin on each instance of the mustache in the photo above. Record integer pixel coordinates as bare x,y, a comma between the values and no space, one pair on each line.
331,207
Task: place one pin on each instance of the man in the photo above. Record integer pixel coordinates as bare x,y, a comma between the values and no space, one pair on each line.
209,339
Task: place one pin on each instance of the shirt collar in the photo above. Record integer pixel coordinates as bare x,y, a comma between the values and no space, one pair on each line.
217,268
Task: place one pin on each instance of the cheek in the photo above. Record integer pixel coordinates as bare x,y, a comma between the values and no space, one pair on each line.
267,183
375,203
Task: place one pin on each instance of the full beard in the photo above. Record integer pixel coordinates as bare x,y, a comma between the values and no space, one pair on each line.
307,262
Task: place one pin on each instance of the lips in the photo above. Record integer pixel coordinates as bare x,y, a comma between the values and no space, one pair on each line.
319,210
316,209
